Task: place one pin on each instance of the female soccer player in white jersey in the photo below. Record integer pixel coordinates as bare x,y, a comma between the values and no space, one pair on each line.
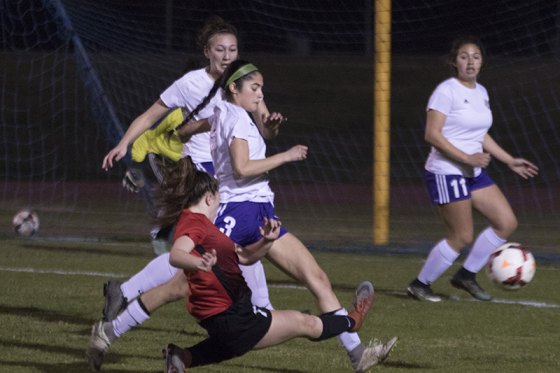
457,124
239,157
219,43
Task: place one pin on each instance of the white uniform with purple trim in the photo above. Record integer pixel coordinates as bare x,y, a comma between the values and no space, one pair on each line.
189,91
468,119
243,201
231,121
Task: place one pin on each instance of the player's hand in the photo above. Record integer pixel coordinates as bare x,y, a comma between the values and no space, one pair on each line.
133,180
208,260
273,121
115,155
479,160
271,229
297,153
523,168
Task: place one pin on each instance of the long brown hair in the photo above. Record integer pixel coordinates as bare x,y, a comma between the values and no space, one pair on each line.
183,186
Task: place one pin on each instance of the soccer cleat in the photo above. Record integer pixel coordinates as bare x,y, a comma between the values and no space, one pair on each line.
115,302
98,345
363,300
471,286
375,353
173,362
422,292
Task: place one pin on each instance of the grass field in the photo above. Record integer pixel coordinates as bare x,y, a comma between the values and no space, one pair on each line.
51,294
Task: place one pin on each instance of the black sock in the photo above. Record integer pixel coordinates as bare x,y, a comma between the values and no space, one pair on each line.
417,282
334,325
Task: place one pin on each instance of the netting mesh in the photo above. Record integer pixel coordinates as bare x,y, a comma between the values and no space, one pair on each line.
76,73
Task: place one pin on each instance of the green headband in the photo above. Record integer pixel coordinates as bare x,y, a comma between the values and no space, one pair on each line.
242,71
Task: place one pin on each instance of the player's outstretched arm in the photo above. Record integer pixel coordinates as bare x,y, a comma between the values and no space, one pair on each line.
520,166
245,167
523,168
137,127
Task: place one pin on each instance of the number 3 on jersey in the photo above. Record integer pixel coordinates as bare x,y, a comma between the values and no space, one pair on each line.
229,222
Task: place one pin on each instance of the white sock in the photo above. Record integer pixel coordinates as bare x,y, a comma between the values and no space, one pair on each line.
155,273
256,279
483,247
440,259
348,340
132,316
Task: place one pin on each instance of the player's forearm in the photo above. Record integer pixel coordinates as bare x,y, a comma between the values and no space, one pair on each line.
192,128
495,150
254,167
143,122
184,261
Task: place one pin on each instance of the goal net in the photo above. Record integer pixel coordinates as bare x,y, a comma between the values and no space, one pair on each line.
76,73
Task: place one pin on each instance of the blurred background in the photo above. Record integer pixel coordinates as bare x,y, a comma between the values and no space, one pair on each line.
75,73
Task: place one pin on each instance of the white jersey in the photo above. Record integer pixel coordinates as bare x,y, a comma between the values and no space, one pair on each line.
188,91
468,119
228,122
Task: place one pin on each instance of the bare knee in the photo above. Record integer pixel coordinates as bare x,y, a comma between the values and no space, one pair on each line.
312,326
506,226
176,289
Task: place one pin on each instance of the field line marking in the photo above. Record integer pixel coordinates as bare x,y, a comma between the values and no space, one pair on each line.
520,302
109,274
61,272
528,303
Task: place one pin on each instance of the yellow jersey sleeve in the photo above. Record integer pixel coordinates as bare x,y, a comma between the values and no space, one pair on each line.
156,140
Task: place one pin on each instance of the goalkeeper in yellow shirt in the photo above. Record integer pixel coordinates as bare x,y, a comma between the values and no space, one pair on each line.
148,151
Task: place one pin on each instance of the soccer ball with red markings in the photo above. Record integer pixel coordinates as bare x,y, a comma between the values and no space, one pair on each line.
511,266
26,223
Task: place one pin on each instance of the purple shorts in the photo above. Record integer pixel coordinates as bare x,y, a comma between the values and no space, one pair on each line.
444,189
207,167
240,221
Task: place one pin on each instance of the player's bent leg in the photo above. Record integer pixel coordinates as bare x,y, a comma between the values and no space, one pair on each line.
286,325
492,203
290,255
175,289
157,272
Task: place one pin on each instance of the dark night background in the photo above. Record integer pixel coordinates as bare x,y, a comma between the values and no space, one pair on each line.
74,77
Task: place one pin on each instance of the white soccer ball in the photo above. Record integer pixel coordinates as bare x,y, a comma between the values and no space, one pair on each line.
26,223
511,266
